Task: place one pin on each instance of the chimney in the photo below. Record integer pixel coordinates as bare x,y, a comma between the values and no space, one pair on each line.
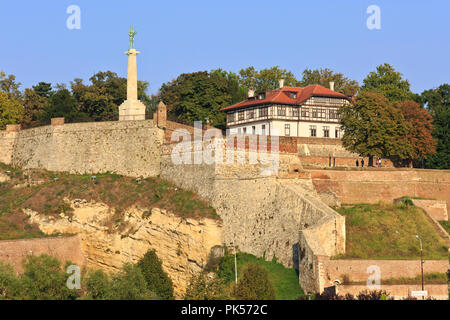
281,82
332,85
251,92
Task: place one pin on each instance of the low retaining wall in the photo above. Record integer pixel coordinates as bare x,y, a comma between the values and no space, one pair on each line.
63,248
437,291
372,186
436,209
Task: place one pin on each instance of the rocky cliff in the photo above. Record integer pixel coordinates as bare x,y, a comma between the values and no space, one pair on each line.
182,244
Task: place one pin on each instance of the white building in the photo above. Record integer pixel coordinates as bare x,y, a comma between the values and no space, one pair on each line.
289,111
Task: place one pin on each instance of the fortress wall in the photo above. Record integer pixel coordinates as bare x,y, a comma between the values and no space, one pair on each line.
401,291
63,248
6,146
372,186
261,214
130,148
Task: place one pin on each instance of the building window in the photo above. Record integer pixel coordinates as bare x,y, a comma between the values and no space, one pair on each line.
239,131
230,117
333,114
241,115
295,112
287,130
326,132
337,133
263,129
293,95
281,111
313,130
262,96
264,112
251,114
305,113
245,130
253,130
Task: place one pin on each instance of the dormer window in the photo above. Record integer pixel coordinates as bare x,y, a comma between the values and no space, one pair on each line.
293,95
261,96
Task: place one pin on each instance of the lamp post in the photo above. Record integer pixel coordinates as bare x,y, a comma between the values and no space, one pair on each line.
235,263
421,257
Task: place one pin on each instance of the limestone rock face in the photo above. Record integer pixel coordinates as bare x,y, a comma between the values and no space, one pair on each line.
183,245
4,177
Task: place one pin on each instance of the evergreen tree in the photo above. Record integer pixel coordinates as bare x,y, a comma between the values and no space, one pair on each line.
255,284
157,279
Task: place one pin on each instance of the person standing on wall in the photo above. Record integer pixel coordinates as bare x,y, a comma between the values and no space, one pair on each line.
362,163
357,163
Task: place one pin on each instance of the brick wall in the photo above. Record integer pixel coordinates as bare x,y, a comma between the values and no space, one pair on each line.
63,248
372,186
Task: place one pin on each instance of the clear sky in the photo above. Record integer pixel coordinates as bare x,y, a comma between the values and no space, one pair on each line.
186,36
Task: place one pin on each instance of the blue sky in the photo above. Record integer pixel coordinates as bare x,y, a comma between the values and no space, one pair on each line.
186,36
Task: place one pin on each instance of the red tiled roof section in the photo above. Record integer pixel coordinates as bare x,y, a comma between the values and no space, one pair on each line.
283,96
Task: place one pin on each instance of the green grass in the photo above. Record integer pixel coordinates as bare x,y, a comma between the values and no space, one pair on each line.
284,280
387,231
446,225
116,191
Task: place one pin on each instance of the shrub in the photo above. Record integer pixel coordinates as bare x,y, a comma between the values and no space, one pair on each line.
8,282
129,284
255,284
98,286
44,279
156,278
204,288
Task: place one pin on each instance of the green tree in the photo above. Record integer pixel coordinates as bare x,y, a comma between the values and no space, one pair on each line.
390,83
197,97
266,79
373,127
43,89
323,77
130,284
9,85
255,284
34,107
8,282
437,101
98,286
44,279
11,110
62,104
157,279
202,287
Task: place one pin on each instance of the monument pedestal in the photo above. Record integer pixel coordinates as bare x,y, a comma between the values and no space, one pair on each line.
132,108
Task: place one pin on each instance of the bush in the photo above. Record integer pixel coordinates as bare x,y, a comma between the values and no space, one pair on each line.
44,279
255,284
156,278
129,284
204,288
8,282
98,286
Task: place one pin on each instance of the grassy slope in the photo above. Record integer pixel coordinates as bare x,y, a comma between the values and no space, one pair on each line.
387,231
284,280
446,225
116,191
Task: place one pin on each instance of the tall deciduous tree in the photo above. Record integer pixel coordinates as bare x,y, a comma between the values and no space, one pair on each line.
420,136
11,110
9,85
323,77
197,96
437,101
266,79
373,127
388,82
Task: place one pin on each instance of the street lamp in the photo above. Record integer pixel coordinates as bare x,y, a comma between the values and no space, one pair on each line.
421,257
235,262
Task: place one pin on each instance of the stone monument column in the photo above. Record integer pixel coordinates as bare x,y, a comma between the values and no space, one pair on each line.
132,93
132,108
